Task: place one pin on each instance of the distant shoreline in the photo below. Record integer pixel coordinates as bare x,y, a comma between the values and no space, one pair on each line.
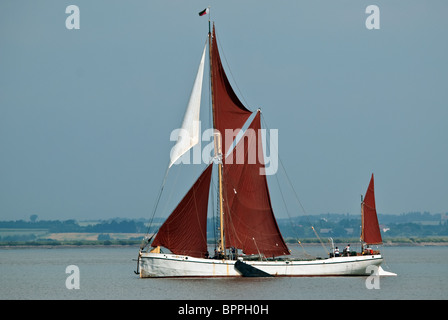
113,243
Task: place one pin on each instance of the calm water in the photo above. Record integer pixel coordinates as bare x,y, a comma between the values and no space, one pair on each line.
108,273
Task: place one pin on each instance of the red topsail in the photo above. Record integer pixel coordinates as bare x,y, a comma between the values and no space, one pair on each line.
228,111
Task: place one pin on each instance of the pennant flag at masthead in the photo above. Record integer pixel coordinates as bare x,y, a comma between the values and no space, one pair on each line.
204,12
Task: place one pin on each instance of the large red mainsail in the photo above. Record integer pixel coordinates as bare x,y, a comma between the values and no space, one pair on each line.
228,111
370,229
185,230
250,224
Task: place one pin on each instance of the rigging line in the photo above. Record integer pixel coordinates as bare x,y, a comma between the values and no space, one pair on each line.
293,189
157,200
286,174
170,196
261,257
306,253
287,211
290,218
321,242
230,223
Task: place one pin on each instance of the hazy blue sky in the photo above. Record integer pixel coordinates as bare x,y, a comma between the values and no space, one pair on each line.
86,115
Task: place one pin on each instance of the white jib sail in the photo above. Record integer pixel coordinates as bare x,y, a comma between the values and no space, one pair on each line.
188,134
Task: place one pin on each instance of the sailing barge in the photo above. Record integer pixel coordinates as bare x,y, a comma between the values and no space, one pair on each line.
247,222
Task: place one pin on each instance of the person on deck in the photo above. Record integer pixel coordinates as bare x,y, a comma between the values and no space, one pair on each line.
336,252
368,250
347,250
234,255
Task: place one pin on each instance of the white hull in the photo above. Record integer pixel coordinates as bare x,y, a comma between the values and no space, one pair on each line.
152,265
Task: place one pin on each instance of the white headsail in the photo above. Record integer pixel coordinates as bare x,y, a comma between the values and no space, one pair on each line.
188,134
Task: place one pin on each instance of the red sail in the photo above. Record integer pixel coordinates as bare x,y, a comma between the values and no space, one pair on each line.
229,112
370,229
185,230
249,220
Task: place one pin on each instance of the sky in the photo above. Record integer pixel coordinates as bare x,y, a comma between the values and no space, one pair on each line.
86,114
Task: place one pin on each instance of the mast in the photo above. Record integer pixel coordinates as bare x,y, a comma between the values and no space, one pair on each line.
221,215
362,219
218,150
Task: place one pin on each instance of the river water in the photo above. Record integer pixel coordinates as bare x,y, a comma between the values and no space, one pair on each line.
108,273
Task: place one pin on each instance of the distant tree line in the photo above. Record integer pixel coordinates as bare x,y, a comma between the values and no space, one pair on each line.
57,226
412,224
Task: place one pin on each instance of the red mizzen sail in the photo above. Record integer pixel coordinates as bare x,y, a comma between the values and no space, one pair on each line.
229,112
370,229
250,224
185,230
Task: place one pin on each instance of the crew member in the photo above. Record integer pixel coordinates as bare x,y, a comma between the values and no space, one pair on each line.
336,252
347,250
